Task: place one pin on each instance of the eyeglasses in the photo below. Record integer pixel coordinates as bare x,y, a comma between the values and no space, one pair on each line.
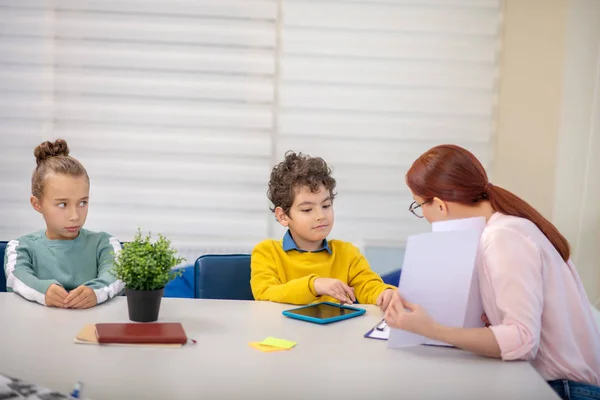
417,208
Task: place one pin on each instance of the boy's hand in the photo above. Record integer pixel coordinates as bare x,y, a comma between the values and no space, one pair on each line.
334,288
55,296
81,297
384,298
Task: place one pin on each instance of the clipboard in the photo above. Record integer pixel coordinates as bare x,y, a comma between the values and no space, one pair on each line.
379,332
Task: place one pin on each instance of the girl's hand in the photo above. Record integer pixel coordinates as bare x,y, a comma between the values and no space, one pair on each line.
55,296
81,297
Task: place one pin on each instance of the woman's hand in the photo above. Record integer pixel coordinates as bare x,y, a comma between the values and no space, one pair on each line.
411,317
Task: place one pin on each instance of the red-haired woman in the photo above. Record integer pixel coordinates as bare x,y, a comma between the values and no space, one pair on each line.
536,307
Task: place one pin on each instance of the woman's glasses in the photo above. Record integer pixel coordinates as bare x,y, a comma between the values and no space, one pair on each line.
417,208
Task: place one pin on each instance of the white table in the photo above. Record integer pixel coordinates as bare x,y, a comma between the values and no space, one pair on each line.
329,362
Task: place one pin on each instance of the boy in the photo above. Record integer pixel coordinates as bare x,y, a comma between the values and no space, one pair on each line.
305,267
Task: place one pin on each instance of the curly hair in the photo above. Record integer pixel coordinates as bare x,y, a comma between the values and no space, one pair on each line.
53,157
298,170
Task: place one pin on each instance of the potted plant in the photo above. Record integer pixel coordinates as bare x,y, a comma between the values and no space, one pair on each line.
145,268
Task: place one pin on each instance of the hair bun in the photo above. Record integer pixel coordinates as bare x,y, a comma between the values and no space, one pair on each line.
48,149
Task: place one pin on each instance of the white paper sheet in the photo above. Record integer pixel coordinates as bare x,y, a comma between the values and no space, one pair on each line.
476,223
474,304
438,273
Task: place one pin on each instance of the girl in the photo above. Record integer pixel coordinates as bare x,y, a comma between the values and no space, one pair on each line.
64,265
535,304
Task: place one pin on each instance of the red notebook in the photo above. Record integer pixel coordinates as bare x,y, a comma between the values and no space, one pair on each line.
152,333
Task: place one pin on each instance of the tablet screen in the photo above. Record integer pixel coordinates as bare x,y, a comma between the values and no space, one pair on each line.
322,311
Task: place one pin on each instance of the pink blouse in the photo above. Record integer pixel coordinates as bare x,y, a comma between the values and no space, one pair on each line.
536,302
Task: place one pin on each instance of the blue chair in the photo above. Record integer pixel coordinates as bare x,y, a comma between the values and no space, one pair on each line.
392,278
223,276
183,286
2,275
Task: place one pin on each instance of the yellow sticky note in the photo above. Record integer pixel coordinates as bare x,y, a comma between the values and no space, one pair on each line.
266,349
279,343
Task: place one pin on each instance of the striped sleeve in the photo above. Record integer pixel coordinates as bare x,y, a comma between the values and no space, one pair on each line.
106,285
20,273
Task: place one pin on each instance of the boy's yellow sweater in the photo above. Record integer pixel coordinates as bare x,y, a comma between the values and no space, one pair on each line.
288,277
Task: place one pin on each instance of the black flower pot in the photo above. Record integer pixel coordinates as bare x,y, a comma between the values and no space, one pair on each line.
144,305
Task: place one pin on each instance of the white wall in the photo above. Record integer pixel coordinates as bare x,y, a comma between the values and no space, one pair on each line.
548,134
576,209
529,103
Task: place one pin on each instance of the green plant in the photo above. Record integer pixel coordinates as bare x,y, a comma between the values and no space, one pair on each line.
143,265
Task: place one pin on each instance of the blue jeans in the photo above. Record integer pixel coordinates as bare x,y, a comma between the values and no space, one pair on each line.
570,390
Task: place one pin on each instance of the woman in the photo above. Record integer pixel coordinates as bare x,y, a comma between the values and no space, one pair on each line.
536,307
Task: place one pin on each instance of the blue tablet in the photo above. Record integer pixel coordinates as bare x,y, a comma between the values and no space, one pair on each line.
324,313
